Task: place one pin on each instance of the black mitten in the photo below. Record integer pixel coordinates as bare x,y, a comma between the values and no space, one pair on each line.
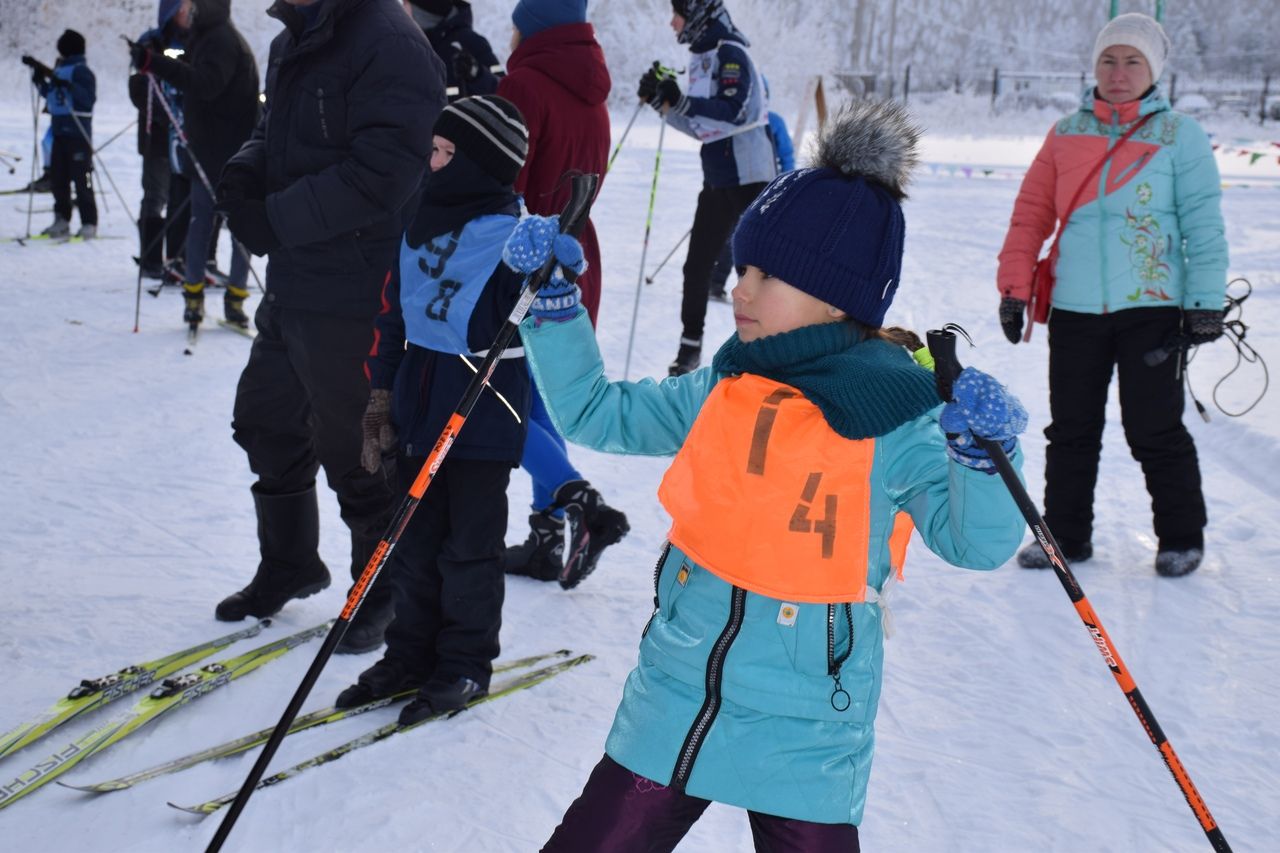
1012,312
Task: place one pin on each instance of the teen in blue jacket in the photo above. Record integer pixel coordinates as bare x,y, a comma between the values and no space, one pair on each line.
70,91
804,455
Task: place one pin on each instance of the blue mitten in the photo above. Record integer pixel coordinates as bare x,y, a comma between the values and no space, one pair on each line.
982,407
556,302
533,242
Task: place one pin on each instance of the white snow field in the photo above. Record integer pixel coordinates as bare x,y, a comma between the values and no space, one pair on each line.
125,516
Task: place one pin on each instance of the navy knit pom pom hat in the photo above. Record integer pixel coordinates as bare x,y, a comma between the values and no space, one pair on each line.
835,229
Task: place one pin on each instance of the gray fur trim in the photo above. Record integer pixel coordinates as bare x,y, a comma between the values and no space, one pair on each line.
875,139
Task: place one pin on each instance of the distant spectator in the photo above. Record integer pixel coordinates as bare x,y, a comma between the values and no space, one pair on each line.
468,59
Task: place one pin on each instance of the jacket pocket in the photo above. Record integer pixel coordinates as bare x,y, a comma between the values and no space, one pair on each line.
803,632
322,114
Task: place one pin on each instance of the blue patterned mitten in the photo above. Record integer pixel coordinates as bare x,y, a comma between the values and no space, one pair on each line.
557,301
982,407
534,240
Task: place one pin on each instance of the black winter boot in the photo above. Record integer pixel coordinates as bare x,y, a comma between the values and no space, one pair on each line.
687,359
441,697
385,678
541,556
593,526
1033,556
288,538
367,628
151,248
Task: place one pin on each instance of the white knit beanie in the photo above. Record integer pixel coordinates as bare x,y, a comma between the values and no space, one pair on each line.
1136,30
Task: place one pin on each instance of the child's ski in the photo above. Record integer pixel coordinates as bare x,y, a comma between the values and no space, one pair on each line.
498,691
93,693
173,692
306,721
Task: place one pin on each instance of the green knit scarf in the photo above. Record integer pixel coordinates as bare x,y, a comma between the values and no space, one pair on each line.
864,388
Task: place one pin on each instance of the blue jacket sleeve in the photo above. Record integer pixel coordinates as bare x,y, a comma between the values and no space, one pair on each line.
734,80
84,89
645,418
782,147
1197,193
966,517
388,335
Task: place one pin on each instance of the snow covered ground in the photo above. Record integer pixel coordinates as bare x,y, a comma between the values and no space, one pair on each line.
125,516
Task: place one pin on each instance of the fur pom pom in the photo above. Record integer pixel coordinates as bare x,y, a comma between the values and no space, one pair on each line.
874,139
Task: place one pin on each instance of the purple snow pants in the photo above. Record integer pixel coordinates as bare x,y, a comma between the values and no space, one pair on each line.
621,812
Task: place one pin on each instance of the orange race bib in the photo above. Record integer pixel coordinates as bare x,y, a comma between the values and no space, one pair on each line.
770,498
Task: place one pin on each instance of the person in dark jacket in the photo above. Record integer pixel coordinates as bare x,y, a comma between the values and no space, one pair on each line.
557,76
442,307
725,108
469,63
70,90
218,78
353,90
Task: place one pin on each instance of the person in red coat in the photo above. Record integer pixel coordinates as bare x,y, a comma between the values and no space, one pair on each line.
557,76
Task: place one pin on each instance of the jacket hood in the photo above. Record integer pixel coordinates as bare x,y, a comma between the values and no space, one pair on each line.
570,55
719,29
211,13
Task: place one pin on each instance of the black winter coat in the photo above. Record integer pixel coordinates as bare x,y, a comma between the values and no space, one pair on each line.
343,142
454,34
219,81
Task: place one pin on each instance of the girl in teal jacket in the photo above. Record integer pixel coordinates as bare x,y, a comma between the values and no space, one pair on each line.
804,455
1142,266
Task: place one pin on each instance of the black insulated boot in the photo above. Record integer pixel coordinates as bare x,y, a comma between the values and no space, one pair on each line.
541,556
1034,557
288,538
385,678
233,306
593,526
151,250
438,697
687,359
1179,556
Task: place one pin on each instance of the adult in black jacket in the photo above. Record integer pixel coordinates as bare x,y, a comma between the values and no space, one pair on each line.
353,90
153,145
468,59
218,78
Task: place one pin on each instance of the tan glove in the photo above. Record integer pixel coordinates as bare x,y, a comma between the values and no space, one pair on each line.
379,434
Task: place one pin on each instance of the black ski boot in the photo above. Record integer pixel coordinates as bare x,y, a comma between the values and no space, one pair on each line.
593,526
369,625
687,359
541,556
1034,557
233,306
441,697
193,303
288,538
385,678
151,248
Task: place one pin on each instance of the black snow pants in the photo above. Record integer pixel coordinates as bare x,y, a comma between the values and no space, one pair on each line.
714,220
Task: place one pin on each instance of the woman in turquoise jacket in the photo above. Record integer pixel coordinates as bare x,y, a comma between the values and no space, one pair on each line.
804,455
1142,266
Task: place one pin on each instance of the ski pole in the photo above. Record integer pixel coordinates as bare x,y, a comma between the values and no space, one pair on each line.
571,221
115,136
651,276
644,251
942,346
204,179
618,147
146,250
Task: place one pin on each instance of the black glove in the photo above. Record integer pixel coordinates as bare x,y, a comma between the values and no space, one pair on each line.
39,70
465,66
140,56
250,225
1202,325
658,88
236,186
1011,313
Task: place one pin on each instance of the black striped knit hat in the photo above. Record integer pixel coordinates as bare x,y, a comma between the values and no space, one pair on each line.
490,131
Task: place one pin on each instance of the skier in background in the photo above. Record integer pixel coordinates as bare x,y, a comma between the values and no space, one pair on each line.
724,108
70,90
468,59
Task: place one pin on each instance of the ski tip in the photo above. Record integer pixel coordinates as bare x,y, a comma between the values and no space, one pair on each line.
88,789
195,810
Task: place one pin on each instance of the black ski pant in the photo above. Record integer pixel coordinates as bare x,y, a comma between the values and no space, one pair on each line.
447,571
70,163
1084,349
713,221
155,186
298,408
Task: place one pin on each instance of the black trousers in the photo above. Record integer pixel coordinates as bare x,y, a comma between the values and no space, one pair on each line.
298,408
446,571
713,221
1083,351
70,163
